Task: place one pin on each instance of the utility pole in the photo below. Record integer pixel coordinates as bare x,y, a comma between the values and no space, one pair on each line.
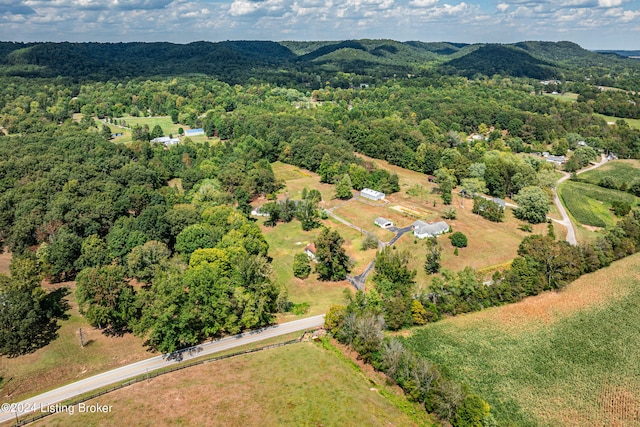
81,338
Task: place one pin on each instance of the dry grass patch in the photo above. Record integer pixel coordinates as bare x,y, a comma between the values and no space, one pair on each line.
5,262
303,385
297,179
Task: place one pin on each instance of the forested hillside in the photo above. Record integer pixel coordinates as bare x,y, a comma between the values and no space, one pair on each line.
310,64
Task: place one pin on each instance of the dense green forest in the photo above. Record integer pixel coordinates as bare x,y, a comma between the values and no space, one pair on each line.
160,239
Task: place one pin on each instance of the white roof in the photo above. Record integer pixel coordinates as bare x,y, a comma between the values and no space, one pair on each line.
382,221
421,227
371,192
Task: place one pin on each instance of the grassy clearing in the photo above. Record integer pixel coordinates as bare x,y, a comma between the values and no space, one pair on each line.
297,179
490,244
567,96
559,359
285,241
164,122
305,385
634,123
590,204
622,171
363,214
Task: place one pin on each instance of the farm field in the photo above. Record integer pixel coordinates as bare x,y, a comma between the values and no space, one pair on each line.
622,171
304,385
590,204
564,358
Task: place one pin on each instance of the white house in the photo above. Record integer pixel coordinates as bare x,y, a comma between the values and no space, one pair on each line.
423,229
383,222
372,194
166,140
310,250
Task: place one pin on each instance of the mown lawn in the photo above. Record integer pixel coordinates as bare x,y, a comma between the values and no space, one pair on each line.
297,385
559,359
590,204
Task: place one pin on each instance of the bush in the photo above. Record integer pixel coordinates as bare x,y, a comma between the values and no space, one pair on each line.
608,182
526,227
301,267
369,242
620,208
449,213
459,240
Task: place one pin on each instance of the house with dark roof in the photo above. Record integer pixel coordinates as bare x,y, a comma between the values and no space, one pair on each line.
423,229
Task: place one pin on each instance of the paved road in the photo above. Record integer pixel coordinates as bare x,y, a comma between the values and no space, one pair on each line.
149,365
566,221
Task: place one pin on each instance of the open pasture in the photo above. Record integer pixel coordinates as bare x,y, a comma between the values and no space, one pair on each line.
304,385
566,358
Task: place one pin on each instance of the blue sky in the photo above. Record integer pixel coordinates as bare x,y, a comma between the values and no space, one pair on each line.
594,24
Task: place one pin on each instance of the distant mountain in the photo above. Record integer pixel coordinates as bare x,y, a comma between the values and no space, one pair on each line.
301,62
440,48
507,60
623,53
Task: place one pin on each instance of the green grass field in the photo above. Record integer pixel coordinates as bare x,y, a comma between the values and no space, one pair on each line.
559,359
622,171
589,204
305,385
567,96
634,123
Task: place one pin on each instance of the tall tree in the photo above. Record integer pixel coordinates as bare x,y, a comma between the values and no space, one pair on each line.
333,261
533,205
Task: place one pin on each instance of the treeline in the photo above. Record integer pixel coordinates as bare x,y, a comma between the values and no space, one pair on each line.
391,305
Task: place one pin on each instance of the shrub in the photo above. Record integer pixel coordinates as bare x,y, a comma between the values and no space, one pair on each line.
449,213
526,227
620,208
459,240
608,182
369,242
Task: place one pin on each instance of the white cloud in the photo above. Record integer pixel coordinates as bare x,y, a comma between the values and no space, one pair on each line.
502,7
609,3
101,4
423,3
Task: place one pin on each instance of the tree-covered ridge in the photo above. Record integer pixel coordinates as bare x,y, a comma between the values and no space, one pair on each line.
311,64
